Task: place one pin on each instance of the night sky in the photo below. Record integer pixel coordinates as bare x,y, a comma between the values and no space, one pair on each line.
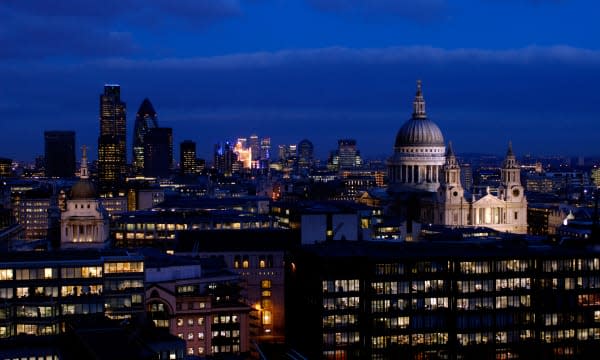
493,71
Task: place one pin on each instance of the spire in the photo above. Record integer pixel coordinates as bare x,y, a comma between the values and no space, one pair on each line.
83,172
510,150
449,150
450,157
419,104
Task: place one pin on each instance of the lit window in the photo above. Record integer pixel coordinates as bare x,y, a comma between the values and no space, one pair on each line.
265,284
179,322
190,322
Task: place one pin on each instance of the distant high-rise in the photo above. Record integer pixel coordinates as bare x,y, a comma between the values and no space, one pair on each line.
145,119
187,155
112,158
5,167
158,152
305,153
59,153
254,145
349,156
224,158
265,152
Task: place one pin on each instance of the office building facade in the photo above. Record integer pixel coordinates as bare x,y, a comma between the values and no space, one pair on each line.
187,158
483,300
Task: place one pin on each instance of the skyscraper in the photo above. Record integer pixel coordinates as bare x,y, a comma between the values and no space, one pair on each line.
265,152
59,153
254,145
112,158
349,156
305,154
158,152
187,155
224,158
145,119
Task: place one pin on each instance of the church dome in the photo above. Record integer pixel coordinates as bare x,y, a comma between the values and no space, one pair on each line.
419,132
83,189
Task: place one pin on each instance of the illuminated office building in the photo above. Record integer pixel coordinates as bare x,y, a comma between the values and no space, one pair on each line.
43,293
145,119
59,153
112,158
501,299
199,301
187,154
5,167
31,212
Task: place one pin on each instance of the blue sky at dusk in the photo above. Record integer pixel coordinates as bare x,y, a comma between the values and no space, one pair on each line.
527,71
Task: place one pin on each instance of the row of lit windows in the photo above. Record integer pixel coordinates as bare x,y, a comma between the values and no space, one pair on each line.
191,321
123,284
32,329
70,272
331,286
395,322
123,302
349,302
243,261
200,349
28,274
339,320
81,272
72,309
571,265
124,267
341,338
225,319
190,336
36,311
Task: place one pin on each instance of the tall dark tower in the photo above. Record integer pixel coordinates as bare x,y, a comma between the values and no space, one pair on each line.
187,155
112,159
59,153
145,119
158,152
305,154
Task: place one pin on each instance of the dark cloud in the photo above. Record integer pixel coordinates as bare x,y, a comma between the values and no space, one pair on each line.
420,10
195,10
71,28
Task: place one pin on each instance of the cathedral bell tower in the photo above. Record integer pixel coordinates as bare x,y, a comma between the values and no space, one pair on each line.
511,188
452,206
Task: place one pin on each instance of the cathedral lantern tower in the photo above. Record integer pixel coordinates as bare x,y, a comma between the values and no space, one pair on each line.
418,152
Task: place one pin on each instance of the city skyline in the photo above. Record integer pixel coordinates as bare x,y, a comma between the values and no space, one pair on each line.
219,70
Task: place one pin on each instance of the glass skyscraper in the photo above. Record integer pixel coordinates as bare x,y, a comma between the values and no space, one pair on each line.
145,119
112,158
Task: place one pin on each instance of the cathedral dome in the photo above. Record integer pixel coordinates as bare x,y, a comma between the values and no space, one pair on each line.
419,132
83,189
